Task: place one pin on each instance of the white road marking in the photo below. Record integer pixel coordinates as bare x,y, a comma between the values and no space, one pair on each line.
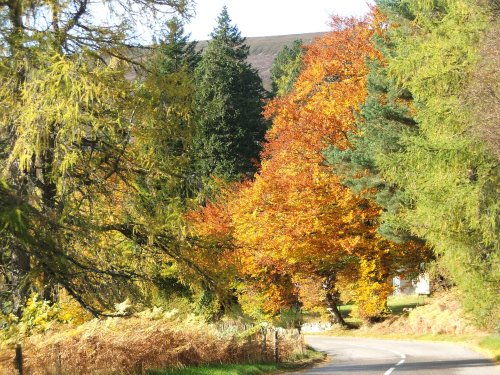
388,372
402,355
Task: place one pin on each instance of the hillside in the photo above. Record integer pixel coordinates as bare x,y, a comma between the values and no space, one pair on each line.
263,51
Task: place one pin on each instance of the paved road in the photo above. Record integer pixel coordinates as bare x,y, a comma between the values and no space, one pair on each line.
355,356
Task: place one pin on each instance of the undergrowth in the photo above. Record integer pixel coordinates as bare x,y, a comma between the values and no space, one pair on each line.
146,341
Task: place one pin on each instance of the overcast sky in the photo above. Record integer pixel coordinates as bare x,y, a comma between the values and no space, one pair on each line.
273,17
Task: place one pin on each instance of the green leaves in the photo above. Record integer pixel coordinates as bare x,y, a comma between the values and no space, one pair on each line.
286,68
62,104
12,217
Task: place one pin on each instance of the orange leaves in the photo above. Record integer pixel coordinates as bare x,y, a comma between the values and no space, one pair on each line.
328,90
296,213
296,224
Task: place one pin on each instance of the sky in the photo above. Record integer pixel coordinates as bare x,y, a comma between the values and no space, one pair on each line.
273,17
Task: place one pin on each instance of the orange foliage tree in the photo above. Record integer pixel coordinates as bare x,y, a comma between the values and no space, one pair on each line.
296,229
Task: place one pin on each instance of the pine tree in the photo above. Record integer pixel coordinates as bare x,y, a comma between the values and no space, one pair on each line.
228,101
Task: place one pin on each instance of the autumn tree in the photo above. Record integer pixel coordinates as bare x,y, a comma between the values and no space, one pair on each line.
297,215
385,117
65,145
229,93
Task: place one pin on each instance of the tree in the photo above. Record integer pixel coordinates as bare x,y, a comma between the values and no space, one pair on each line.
175,52
385,117
228,101
65,145
449,175
286,68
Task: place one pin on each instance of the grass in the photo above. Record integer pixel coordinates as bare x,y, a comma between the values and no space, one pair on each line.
491,345
398,303
232,369
395,303
297,361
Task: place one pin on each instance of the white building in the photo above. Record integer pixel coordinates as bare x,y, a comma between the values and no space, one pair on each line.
420,285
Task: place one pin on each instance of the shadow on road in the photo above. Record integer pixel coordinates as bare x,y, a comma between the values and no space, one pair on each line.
405,367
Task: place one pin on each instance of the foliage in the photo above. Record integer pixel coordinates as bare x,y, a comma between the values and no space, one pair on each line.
448,175
384,118
228,102
66,151
39,316
153,339
286,68
175,51
417,152
483,89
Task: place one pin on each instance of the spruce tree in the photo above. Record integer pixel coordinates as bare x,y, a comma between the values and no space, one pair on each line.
228,101
175,51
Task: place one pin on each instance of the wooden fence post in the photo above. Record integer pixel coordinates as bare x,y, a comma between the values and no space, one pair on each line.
263,331
57,355
276,346
302,343
18,360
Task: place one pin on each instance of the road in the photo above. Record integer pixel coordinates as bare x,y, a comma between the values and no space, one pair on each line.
354,356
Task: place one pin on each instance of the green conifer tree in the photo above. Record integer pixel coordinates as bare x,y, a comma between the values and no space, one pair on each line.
228,101
175,51
432,173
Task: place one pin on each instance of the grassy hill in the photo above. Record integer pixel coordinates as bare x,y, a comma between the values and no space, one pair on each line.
263,51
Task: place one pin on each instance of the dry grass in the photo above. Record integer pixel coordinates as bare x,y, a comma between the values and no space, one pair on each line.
443,315
134,345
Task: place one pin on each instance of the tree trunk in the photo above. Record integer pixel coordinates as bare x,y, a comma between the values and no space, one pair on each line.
333,299
332,302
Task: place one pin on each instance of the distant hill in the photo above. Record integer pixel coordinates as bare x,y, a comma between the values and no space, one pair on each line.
263,51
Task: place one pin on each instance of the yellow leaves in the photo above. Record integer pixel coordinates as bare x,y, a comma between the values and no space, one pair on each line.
63,101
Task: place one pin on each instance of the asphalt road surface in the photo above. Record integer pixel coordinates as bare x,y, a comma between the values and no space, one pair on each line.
354,356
